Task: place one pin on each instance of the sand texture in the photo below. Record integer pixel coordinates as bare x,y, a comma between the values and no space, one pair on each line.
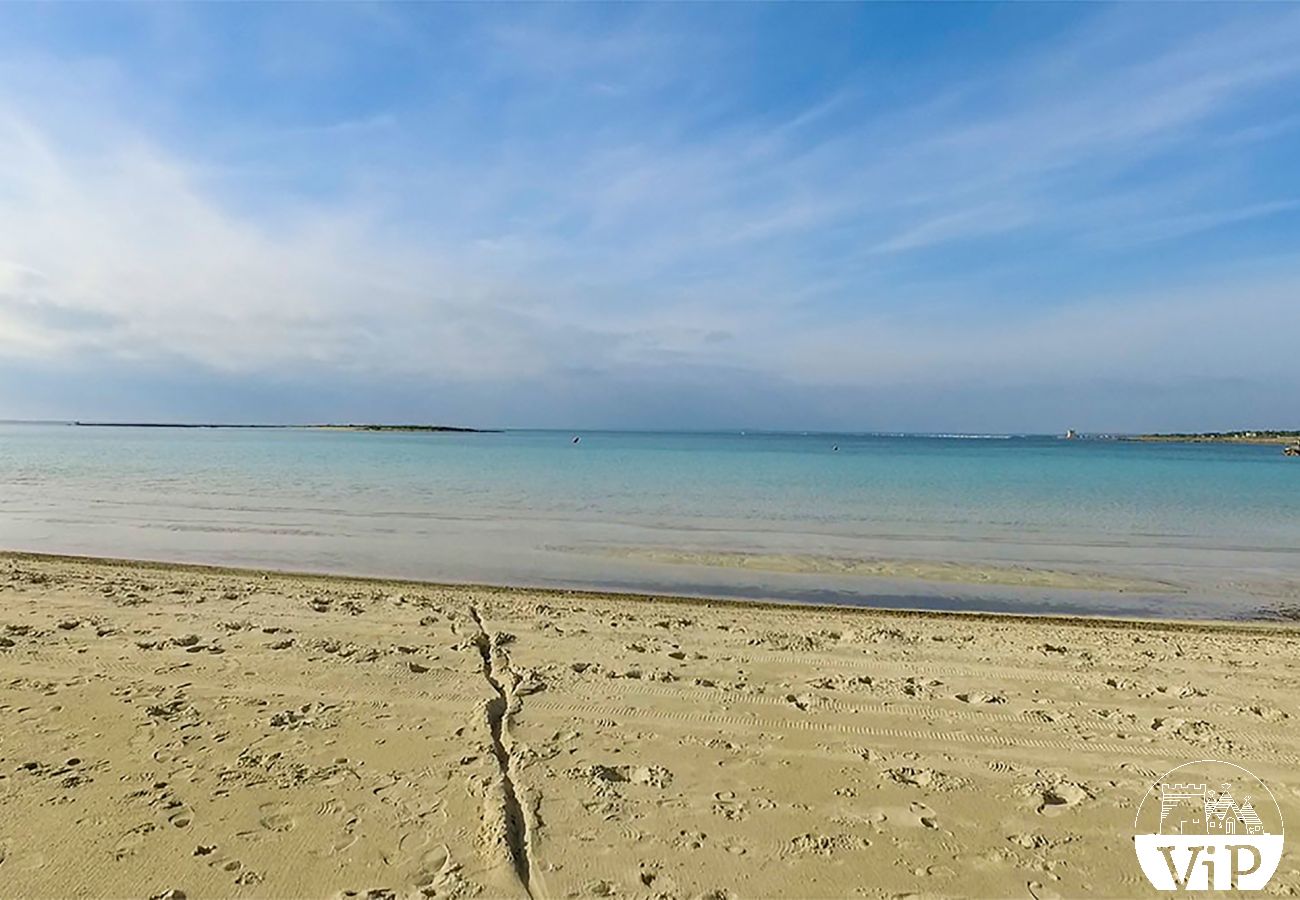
218,733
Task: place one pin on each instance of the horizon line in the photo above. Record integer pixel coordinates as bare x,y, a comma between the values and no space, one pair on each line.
435,427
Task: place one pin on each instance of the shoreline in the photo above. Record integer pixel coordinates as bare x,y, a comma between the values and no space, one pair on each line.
1254,624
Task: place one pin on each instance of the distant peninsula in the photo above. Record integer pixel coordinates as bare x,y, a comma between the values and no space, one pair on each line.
1252,436
417,428
350,427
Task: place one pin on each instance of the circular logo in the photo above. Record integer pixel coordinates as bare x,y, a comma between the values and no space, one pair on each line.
1208,825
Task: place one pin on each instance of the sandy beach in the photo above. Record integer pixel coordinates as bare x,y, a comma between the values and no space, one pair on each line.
212,732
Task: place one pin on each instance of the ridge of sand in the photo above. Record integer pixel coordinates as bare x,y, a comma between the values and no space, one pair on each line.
226,733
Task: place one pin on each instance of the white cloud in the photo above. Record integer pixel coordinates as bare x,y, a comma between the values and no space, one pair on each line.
785,247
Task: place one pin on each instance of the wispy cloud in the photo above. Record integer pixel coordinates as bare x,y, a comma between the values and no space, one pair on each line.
516,198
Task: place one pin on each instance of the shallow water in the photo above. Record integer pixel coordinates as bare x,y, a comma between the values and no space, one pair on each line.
1219,523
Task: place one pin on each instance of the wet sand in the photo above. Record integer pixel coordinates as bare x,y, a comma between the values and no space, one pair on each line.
225,733
951,572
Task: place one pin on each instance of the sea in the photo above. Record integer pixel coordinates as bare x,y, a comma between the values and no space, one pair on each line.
1201,530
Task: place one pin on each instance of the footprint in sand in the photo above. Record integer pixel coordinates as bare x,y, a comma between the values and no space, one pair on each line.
343,843
1140,771
1060,797
230,865
438,874
129,843
827,844
914,815
980,697
413,842
331,807
690,840
650,875
277,817
726,805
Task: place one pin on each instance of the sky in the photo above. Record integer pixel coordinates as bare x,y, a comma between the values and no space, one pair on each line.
921,217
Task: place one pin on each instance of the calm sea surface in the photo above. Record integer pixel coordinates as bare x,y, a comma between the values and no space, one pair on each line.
1220,522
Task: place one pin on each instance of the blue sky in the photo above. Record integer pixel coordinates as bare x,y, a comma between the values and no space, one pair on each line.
919,217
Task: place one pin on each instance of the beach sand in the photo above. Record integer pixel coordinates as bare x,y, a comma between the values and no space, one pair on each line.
221,733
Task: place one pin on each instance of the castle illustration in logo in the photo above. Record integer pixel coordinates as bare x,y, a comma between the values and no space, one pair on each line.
1208,825
1198,809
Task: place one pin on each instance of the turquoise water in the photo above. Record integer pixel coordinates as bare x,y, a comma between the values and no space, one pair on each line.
1220,521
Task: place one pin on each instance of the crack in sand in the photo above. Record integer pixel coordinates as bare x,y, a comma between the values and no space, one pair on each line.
514,828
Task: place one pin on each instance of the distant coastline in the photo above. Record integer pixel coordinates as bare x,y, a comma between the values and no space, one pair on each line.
417,428
1285,437
1253,436
407,428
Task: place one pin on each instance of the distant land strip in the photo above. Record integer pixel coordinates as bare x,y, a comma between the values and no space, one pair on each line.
414,428
1253,436
457,428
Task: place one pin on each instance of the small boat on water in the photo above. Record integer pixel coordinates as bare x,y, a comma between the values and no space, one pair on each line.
1291,449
